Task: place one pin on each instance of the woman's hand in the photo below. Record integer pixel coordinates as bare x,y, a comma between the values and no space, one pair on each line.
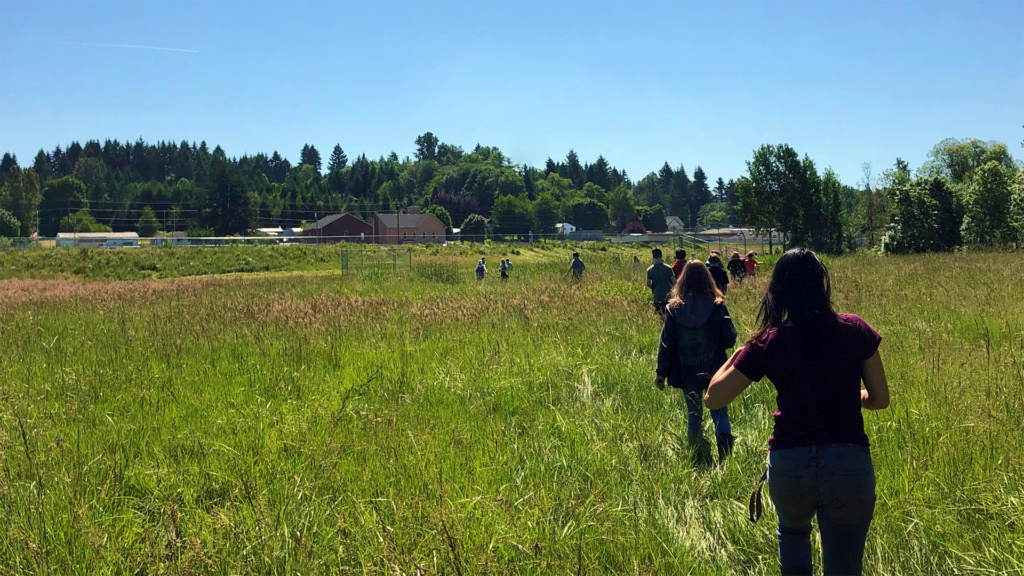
660,382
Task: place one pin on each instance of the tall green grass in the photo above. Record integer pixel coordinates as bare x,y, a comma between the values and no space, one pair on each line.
421,422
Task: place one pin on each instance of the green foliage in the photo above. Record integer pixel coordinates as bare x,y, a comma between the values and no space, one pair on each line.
589,214
546,213
20,196
1017,210
9,225
955,159
912,228
82,221
621,205
987,195
652,217
512,215
442,215
474,227
200,232
784,193
714,215
233,211
426,147
61,197
148,225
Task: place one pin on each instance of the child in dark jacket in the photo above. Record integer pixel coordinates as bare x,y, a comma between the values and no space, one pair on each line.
697,332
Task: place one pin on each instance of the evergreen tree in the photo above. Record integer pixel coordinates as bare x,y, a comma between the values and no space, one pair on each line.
42,165
9,161
574,170
148,225
720,190
311,156
599,173
550,167
232,210
665,176
699,190
338,159
528,183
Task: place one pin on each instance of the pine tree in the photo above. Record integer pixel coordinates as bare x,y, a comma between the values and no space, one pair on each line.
550,167
310,155
528,182
574,170
699,190
9,161
147,225
338,159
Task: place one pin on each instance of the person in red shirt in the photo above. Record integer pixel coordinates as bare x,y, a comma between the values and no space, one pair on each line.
677,266
819,462
751,263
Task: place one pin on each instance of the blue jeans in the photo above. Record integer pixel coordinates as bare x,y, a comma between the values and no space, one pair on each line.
834,481
695,415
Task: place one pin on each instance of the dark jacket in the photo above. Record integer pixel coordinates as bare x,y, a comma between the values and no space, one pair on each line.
694,340
720,277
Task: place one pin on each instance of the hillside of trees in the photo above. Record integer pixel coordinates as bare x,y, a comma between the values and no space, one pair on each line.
968,192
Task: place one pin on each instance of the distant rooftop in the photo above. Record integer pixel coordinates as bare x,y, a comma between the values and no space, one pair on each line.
97,235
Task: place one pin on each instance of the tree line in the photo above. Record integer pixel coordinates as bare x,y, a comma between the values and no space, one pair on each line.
188,187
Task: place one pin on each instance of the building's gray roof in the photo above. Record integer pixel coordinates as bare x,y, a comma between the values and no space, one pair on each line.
321,223
407,220
98,235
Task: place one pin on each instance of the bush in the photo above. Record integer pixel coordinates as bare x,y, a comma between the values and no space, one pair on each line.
200,232
9,225
474,228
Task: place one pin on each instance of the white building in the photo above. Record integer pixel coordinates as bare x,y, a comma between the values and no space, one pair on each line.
98,239
565,228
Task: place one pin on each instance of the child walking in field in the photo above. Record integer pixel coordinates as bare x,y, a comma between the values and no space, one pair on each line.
737,269
819,463
750,263
697,332
718,273
504,270
481,269
660,279
576,267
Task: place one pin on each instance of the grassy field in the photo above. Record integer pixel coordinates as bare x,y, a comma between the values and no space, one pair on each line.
421,423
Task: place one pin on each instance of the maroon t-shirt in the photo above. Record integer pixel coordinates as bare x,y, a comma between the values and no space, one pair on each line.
817,380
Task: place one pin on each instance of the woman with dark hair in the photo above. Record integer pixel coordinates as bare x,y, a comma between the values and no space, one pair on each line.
694,339
818,460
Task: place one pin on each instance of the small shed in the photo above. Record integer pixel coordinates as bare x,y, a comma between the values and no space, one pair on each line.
565,228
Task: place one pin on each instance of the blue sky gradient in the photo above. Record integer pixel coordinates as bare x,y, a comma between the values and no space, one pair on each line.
641,83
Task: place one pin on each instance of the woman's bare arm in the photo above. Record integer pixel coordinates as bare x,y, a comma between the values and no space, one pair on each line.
726,385
876,393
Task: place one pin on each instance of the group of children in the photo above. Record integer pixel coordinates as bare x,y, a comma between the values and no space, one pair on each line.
661,282
504,269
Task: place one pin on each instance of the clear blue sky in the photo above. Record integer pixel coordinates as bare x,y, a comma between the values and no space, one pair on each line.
693,82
